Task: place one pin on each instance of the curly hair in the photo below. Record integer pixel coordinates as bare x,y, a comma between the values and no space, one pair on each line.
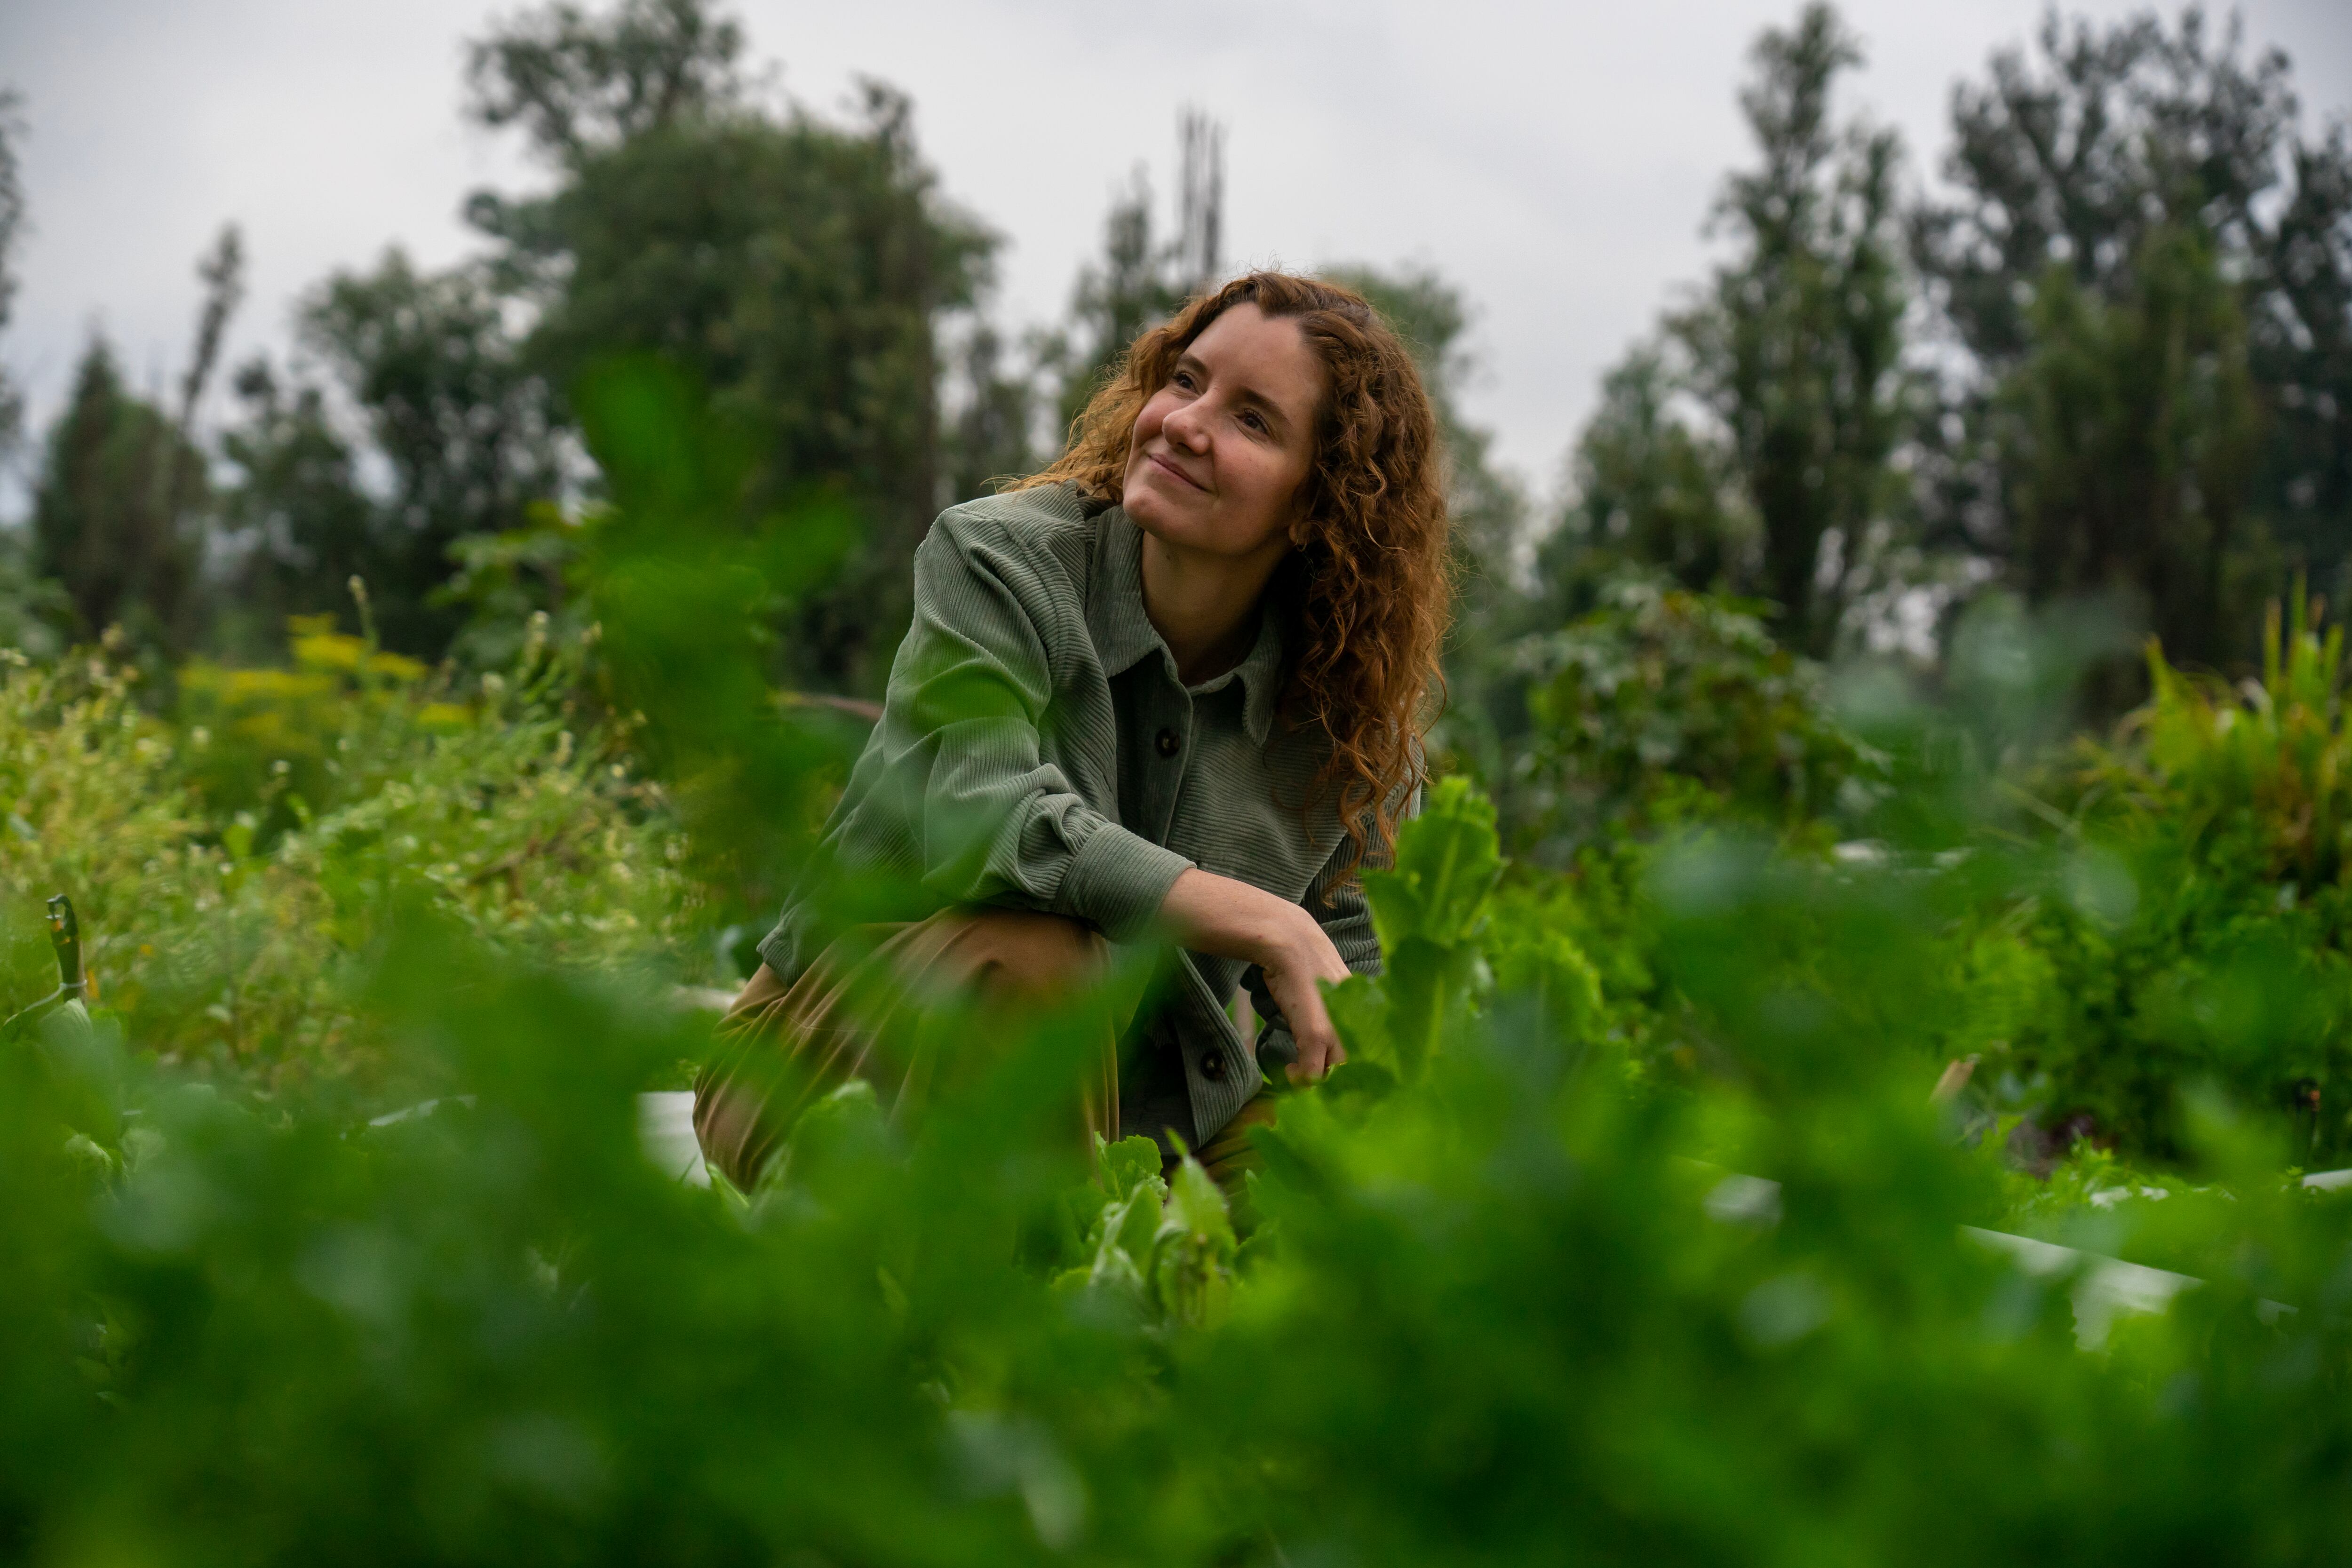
1365,598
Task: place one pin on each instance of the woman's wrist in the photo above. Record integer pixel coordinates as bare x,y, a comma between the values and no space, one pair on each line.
1290,944
1232,919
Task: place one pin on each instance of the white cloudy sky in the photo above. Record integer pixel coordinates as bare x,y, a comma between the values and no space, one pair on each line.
1555,160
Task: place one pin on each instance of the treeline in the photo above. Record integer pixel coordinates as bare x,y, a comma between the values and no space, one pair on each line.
2109,358
2106,357
805,272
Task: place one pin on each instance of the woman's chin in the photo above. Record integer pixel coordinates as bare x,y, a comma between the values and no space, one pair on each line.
1150,508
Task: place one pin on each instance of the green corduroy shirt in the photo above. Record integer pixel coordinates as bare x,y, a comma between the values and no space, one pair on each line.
1037,749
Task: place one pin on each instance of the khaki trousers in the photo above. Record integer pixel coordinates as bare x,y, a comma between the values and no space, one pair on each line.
852,1014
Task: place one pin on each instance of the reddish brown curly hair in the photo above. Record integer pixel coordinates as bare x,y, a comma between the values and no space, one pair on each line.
1366,598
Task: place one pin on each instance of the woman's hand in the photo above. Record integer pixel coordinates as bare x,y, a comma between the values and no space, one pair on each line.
1231,918
1292,978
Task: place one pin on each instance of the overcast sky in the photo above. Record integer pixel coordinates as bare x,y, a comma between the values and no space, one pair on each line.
1555,161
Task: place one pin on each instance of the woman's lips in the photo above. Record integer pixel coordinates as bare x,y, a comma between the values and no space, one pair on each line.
1177,471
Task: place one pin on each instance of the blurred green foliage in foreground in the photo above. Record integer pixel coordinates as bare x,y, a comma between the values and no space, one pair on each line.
1508,1288
1504,1299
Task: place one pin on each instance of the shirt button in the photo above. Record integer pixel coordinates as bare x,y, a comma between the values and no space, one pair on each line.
1168,743
1213,1065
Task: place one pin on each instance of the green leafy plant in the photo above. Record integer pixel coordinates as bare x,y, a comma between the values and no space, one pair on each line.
1163,1249
1664,707
231,866
1429,908
2196,925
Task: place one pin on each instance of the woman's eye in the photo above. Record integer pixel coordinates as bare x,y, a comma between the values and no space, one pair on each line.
1182,378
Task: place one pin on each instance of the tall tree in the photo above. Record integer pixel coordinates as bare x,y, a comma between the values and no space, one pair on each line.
36,612
2300,353
989,433
295,524
1487,509
2127,435
578,85
112,522
1797,348
2073,156
12,224
1200,259
1647,490
2127,181
464,425
1752,443
799,268
118,510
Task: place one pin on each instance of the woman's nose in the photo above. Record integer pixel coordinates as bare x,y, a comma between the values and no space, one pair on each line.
1185,429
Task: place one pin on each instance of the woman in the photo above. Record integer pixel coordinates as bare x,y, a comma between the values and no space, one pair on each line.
1171,687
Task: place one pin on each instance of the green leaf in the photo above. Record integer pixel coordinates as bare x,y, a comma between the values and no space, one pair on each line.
1359,1011
1192,1254
1448,860
1429,990
1125,1165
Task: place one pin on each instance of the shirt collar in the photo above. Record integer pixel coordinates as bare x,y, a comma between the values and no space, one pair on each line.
1123,633
1261,676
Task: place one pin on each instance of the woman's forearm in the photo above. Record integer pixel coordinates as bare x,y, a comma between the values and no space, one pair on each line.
1230,919
1227,917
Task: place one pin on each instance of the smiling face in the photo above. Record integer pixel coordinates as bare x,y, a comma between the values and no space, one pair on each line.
1221,454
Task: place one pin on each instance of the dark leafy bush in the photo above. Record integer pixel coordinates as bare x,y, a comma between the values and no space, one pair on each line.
1666,707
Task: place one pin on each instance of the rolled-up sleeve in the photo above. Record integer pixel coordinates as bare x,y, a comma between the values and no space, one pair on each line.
970,693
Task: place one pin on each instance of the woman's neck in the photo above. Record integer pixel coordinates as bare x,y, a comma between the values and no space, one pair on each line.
1204,607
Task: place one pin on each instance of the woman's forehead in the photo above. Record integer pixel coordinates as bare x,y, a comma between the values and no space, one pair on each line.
1269,353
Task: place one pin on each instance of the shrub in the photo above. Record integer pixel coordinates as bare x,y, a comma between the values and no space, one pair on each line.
229,868
281,743
2197,928
1666,707
95,807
